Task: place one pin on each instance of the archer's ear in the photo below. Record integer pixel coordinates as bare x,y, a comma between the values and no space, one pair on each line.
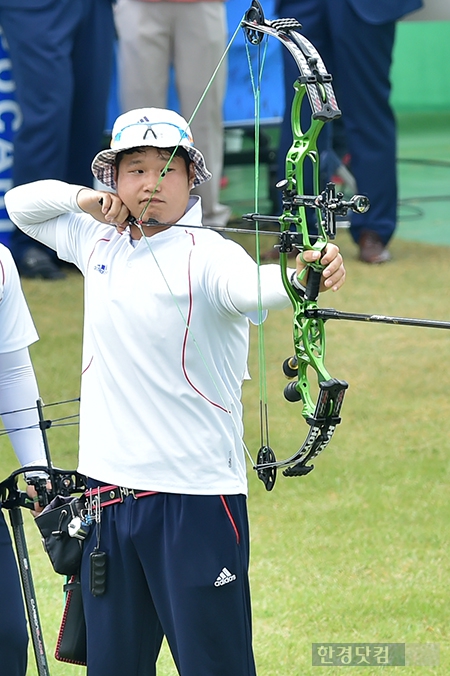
191,175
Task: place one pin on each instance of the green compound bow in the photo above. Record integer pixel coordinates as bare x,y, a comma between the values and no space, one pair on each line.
308,329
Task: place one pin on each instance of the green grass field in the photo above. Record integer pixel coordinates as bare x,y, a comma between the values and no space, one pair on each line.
357,551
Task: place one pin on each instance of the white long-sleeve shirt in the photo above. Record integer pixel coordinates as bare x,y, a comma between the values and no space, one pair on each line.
165,343
18,387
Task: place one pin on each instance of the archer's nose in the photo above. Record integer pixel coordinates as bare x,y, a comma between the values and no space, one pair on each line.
153,182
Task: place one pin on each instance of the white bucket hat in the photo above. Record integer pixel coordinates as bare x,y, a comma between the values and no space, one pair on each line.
154,127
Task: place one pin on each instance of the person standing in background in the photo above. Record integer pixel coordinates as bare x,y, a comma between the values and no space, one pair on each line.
190,36
62,57
355,39
18,396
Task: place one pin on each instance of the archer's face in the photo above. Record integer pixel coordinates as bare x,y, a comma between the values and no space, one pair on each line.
139,179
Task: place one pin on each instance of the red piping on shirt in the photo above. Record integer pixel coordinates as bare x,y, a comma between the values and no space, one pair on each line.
186,333
90,362
102,239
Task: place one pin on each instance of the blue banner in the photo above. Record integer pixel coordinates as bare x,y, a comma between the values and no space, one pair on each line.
239,106
10,121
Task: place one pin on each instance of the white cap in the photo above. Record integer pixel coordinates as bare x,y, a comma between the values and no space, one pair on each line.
155,127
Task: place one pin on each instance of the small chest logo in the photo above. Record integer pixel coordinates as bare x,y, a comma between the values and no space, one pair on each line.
100,268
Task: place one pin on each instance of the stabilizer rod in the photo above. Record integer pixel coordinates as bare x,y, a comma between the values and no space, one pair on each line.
330,313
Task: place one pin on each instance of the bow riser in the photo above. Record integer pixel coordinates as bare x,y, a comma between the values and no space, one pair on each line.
303,148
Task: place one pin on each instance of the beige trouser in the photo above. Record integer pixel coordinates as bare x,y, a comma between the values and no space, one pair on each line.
192,37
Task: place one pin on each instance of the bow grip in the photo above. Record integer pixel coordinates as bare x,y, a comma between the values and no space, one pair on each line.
313,283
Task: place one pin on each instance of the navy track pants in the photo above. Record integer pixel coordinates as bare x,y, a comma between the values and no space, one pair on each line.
13,628
177,566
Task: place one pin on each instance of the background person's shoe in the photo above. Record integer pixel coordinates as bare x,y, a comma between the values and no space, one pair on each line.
36,264
372,249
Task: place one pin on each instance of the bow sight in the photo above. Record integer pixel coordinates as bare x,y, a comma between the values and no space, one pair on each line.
328,202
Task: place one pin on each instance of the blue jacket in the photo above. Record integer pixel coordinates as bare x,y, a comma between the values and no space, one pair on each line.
371,11
384,11
27,4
